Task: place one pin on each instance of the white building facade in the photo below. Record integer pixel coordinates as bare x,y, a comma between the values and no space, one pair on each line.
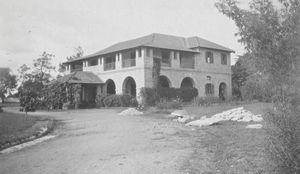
128,66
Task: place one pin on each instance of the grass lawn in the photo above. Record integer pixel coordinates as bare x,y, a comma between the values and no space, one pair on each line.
233,148
15,128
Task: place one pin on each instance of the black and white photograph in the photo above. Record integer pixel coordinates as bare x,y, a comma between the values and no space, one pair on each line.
150,87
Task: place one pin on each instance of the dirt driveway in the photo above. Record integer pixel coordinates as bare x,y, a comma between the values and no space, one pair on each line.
100,141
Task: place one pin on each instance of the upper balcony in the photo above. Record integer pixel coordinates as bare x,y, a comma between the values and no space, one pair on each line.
129,59
109,63
76,66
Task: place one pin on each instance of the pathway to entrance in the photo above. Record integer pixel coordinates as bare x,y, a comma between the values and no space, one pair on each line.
100,141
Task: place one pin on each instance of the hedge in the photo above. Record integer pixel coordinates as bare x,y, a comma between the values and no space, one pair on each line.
151,95
120,101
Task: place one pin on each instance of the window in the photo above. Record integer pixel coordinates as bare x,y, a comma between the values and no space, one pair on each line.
92,62
132,54
165,58
209,57
209,89
223,59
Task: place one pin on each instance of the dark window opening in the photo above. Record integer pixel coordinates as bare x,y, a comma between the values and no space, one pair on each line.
209,57
209,89
93,62
223,59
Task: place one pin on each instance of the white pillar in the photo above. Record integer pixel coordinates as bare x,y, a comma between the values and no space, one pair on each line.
175,60
118,61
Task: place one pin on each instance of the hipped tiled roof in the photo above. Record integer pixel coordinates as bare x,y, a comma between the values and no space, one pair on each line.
85,77
160,41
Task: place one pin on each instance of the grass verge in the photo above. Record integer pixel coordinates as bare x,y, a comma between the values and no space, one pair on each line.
232,148
19,128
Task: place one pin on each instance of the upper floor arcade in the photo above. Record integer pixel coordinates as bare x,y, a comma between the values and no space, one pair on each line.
144,56
172,52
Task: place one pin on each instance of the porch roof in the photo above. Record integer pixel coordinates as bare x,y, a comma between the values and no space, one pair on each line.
85,77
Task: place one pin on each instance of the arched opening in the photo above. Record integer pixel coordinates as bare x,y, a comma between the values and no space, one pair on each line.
222,91
110,87
187,82
164,82
129,86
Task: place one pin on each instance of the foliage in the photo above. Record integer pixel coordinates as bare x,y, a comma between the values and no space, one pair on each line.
284,135
269,35
55,95
167,104
185,94
8,82
30,93
256,88
42,68
76,90
78,52
120,101
1,110
206,101
151,95
239,76
99,99
34,81
24,73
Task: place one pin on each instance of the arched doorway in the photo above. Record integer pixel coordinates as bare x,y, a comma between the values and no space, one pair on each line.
129,86
187,82
164,82
222,91
110,87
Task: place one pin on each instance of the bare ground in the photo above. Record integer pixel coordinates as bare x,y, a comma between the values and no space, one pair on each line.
100,141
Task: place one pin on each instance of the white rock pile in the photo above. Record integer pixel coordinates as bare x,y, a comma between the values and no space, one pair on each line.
236,114
181,116
130,111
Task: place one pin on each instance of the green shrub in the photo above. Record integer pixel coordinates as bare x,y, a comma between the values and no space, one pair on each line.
149,96
120,101
185,94
283,140
166,104
256,88
188,94
128,100
99,100
206,101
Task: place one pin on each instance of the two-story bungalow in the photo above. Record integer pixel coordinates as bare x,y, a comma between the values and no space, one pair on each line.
128,66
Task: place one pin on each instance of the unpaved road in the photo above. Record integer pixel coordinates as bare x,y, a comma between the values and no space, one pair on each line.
100,141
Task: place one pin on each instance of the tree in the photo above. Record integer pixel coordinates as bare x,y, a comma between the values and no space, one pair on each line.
78,52
34,80
8,82
24,73
269,35
239,76
42,68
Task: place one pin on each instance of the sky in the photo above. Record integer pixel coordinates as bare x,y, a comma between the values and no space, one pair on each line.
28,28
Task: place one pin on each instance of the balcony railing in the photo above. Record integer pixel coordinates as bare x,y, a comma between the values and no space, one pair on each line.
166,62
187,65
128,63
76,69
109,66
